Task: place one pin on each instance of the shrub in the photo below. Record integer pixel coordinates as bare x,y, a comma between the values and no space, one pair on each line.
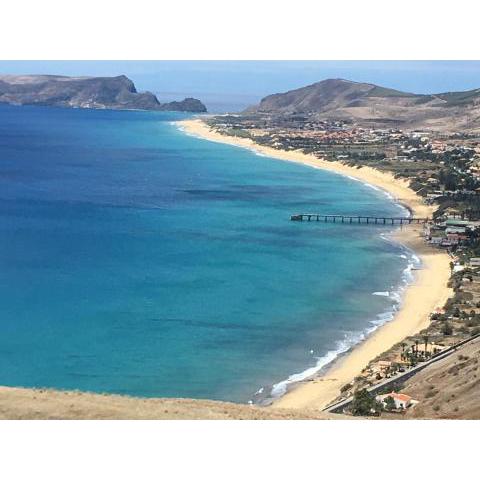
364,403
390,404
345,388
447,329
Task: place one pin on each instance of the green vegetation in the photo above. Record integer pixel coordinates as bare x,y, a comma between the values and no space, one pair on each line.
389,404
447,329
460,98
364,404
237,132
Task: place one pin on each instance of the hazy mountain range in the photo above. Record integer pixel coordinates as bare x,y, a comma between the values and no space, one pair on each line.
369,104
85,92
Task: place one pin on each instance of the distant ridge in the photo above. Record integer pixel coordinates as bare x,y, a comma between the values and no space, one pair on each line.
366,103
85,92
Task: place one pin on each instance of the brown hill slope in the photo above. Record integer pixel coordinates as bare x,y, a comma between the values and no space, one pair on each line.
449,388
368,104
40,404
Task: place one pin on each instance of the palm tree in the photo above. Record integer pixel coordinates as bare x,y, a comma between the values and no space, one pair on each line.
425,339
416,346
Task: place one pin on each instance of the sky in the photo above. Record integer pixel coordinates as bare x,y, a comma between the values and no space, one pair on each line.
234,85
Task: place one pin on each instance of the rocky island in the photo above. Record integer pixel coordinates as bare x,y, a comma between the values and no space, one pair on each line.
86,92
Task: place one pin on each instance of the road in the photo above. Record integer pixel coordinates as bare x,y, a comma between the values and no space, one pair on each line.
338,407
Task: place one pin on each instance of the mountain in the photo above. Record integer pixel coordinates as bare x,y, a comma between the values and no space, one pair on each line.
85,92
369,104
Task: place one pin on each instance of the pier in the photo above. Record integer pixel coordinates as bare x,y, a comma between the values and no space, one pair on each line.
355,219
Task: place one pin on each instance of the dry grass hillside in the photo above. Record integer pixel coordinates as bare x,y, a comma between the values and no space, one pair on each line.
36,404
449,388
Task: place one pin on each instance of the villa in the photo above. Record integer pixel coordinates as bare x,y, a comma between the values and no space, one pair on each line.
402,401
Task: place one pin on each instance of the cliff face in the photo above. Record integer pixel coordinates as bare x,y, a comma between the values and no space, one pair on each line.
85,92
369,104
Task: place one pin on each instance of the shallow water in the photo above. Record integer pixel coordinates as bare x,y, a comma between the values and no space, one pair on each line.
136,259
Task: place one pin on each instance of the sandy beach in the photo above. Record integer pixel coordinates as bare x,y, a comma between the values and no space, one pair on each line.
427,292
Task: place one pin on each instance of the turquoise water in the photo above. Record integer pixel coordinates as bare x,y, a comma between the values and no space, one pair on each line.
136,259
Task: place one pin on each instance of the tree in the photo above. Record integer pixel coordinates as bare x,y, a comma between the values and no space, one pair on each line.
389,404
364,403
425,339
447,329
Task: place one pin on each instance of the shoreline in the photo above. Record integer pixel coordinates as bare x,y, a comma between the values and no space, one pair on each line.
428,290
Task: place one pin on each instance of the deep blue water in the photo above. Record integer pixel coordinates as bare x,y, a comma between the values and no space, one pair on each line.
136,259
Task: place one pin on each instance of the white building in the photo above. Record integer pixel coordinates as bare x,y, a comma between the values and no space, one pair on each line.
402,401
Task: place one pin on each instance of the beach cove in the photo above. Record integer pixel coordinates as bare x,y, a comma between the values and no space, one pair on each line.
147,270
428,291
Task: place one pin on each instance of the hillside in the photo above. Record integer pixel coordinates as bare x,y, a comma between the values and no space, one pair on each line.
85,92
368,104
449,388
25,403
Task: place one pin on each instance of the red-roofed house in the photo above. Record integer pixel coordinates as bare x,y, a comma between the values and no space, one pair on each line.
402,401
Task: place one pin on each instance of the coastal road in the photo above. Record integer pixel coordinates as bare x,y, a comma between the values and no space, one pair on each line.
338,407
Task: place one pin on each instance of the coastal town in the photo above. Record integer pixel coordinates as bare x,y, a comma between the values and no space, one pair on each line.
442,168
444,171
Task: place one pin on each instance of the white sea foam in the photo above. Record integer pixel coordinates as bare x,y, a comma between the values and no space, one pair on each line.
280,388
373,187
416,259
396,296
383,317
352,339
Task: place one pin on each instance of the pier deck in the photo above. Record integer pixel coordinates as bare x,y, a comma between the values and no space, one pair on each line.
355,219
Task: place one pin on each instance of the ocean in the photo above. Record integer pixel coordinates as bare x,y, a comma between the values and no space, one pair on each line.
136,259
